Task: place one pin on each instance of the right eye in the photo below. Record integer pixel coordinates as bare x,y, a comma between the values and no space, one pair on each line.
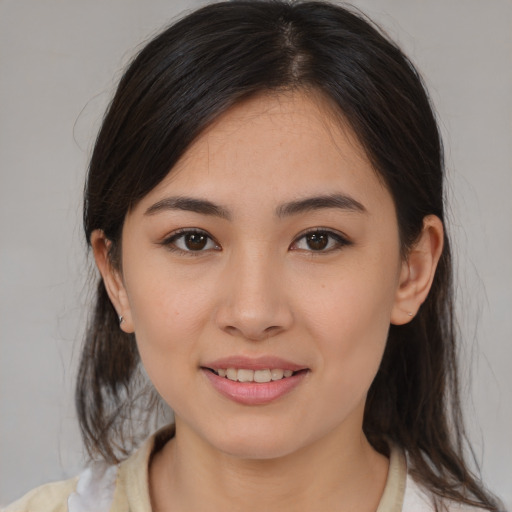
190,241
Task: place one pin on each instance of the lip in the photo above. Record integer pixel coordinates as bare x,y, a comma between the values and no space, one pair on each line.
253,363
254,393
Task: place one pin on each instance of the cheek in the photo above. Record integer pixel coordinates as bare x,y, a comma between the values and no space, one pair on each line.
169,311
168,321
350,318
162,296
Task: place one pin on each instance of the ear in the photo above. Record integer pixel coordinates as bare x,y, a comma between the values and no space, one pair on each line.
112,279
418,270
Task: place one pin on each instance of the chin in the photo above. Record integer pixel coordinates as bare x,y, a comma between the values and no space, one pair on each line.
257,442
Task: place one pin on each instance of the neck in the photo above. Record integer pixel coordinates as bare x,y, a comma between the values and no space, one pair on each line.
334,473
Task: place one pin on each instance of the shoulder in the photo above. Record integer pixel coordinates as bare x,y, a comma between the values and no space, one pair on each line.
101,487
419,499
51,497
93,489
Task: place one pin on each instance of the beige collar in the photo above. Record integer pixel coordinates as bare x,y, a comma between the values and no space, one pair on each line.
393,495
132,491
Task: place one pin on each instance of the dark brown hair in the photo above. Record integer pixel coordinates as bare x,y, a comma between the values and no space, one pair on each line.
175,87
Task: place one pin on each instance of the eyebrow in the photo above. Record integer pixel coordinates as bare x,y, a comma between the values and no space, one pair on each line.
339,201
190,204
205,207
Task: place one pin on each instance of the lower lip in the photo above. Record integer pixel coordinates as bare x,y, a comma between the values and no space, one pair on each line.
254,393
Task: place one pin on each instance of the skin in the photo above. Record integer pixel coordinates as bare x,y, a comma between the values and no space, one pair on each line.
258,288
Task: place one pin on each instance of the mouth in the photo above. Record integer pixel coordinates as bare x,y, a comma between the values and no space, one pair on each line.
256,381
262,376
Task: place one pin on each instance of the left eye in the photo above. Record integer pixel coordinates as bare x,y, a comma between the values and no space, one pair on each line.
320,241
191,241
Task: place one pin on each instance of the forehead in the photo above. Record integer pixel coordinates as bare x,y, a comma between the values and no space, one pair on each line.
287,125
274,147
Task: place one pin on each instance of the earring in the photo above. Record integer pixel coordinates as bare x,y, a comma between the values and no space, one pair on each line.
410,314
121,319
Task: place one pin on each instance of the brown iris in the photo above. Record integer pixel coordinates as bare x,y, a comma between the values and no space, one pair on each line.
317,241
195,241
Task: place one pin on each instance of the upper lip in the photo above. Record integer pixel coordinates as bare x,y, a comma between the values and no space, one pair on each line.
253,363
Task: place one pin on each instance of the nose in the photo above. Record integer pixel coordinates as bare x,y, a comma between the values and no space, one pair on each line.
253,302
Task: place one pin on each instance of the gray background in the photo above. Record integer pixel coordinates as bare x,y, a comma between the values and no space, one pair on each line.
59,61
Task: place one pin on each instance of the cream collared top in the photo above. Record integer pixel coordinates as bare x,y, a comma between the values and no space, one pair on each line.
124,488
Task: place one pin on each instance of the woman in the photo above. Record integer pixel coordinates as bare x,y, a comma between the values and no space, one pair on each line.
265,206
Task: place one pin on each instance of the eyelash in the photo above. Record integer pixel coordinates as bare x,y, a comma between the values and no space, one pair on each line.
333,237
339,241
170,241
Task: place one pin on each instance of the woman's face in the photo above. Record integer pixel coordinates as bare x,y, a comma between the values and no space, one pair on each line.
272,247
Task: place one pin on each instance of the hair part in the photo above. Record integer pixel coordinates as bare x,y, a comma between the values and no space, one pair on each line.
180,83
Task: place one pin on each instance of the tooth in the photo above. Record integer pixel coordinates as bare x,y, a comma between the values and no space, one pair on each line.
276,374
262,376
232,373
245,375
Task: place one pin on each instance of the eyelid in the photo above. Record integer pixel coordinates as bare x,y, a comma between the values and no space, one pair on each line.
341,239
168,241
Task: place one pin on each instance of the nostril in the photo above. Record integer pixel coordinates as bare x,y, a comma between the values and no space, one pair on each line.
252,319
230,329
253,334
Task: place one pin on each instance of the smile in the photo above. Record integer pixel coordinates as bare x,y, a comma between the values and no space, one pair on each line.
254,387
248,375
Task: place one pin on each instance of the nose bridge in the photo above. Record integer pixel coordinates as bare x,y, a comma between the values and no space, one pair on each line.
254,304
